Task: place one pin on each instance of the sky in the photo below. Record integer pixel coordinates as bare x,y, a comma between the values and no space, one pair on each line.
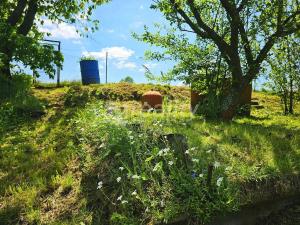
118,19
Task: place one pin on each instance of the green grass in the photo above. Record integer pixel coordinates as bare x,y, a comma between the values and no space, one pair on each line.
50,166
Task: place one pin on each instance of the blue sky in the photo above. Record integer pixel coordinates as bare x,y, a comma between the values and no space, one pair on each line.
118,19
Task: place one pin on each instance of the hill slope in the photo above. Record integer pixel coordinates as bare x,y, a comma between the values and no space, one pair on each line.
94,158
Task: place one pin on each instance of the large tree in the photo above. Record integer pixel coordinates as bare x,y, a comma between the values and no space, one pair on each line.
243,31
20,37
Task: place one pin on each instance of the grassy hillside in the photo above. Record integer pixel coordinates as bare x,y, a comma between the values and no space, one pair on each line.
94,158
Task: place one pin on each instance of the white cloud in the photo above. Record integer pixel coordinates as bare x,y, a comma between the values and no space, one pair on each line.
61,30
136,24
118,53
125,65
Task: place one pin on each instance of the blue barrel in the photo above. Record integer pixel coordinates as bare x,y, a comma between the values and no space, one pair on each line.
89,72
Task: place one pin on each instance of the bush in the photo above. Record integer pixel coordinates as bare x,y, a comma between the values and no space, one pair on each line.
18,87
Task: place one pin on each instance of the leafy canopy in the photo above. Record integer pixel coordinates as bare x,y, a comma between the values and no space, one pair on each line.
20,35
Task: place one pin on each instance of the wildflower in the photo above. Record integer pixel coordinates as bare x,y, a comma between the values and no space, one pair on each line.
219,181
162,203
140,135
121,168
124,202
147,210
134,193
201,175
102,145
131,137
100,184
228,168
135,177
209,151
170,163
195,160
193,149
161,152
119,198
119,179
217,164
187,152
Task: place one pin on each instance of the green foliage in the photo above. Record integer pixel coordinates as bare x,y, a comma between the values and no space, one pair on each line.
76,96
16,88
50,167
21,37
219,42
127,79
284,78
87,58
146,180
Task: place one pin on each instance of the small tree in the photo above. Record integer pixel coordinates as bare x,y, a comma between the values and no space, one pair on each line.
127,79
284,77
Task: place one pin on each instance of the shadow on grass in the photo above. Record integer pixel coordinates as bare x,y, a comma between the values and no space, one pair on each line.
33,152
277,140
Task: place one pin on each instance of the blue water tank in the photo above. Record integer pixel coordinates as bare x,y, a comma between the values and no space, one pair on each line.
89,72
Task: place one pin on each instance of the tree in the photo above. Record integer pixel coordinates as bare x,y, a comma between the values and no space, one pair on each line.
127,79
242,31
284,77
20,37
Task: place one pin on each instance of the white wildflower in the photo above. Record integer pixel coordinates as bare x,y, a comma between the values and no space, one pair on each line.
217,164
102,145
136,177
170,163
193,149
134,193
147,210
124,202
119,179
162,203
201,175
219,181
228,168
195,160
100,185
161,152
187,152
119,198
121,168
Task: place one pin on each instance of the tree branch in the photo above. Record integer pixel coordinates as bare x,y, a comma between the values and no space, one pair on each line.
25,27
237,22
16,15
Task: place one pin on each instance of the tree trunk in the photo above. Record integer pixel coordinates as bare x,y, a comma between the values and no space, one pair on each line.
5,71
238,96
291,103
285,97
